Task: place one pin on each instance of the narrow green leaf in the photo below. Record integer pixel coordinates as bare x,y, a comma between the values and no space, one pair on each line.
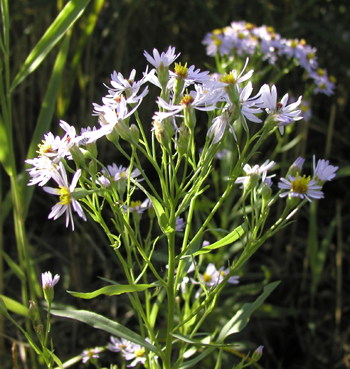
111,290
64,21
239,321
13,266
199,343
14,306
106,325
230,238
163,220
48,104
191,363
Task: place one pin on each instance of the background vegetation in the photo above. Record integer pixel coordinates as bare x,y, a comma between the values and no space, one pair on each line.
306,321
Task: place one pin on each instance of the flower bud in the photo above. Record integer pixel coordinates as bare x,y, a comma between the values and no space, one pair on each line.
135,133
183,140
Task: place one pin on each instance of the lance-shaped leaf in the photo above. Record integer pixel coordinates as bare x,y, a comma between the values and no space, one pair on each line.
230,238
105,324
67,17
14,306
115,289
238,322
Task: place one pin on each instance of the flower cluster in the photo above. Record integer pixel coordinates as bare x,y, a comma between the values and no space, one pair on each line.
184,91
244,39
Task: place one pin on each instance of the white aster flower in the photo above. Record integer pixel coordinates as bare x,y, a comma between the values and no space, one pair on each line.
253,174
47,281
283,113
198,100
218,127
42,170
164,59
300,186
115,173
249,104
323,171
212,276
117,345
233,78
129,350
66,196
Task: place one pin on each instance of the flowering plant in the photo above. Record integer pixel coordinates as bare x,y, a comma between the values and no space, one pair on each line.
183,210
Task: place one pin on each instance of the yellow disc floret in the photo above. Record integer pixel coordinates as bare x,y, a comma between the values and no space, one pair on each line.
301,184
181,70
65,195
228,78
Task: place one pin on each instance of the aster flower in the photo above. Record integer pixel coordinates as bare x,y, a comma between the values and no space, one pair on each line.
199,100
323,171
300,186
47,281
127,86
212,276
253,174
66,196
129,350
284,114
92,353
115,173
233,78
189,75
41,171
50,146
117,345
218,127
138,206
164,59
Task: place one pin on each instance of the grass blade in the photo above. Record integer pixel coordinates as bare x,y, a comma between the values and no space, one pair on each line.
64,21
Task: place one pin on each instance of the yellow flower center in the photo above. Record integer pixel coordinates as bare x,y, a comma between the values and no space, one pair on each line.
321,72
44,148
65,195
228,78
140,352
206,277
186,100
301,184
181,70
134,204
294,43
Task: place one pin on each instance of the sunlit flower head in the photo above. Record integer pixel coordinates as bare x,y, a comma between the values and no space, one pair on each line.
67,202
284,114
253,174
164,59
300,186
